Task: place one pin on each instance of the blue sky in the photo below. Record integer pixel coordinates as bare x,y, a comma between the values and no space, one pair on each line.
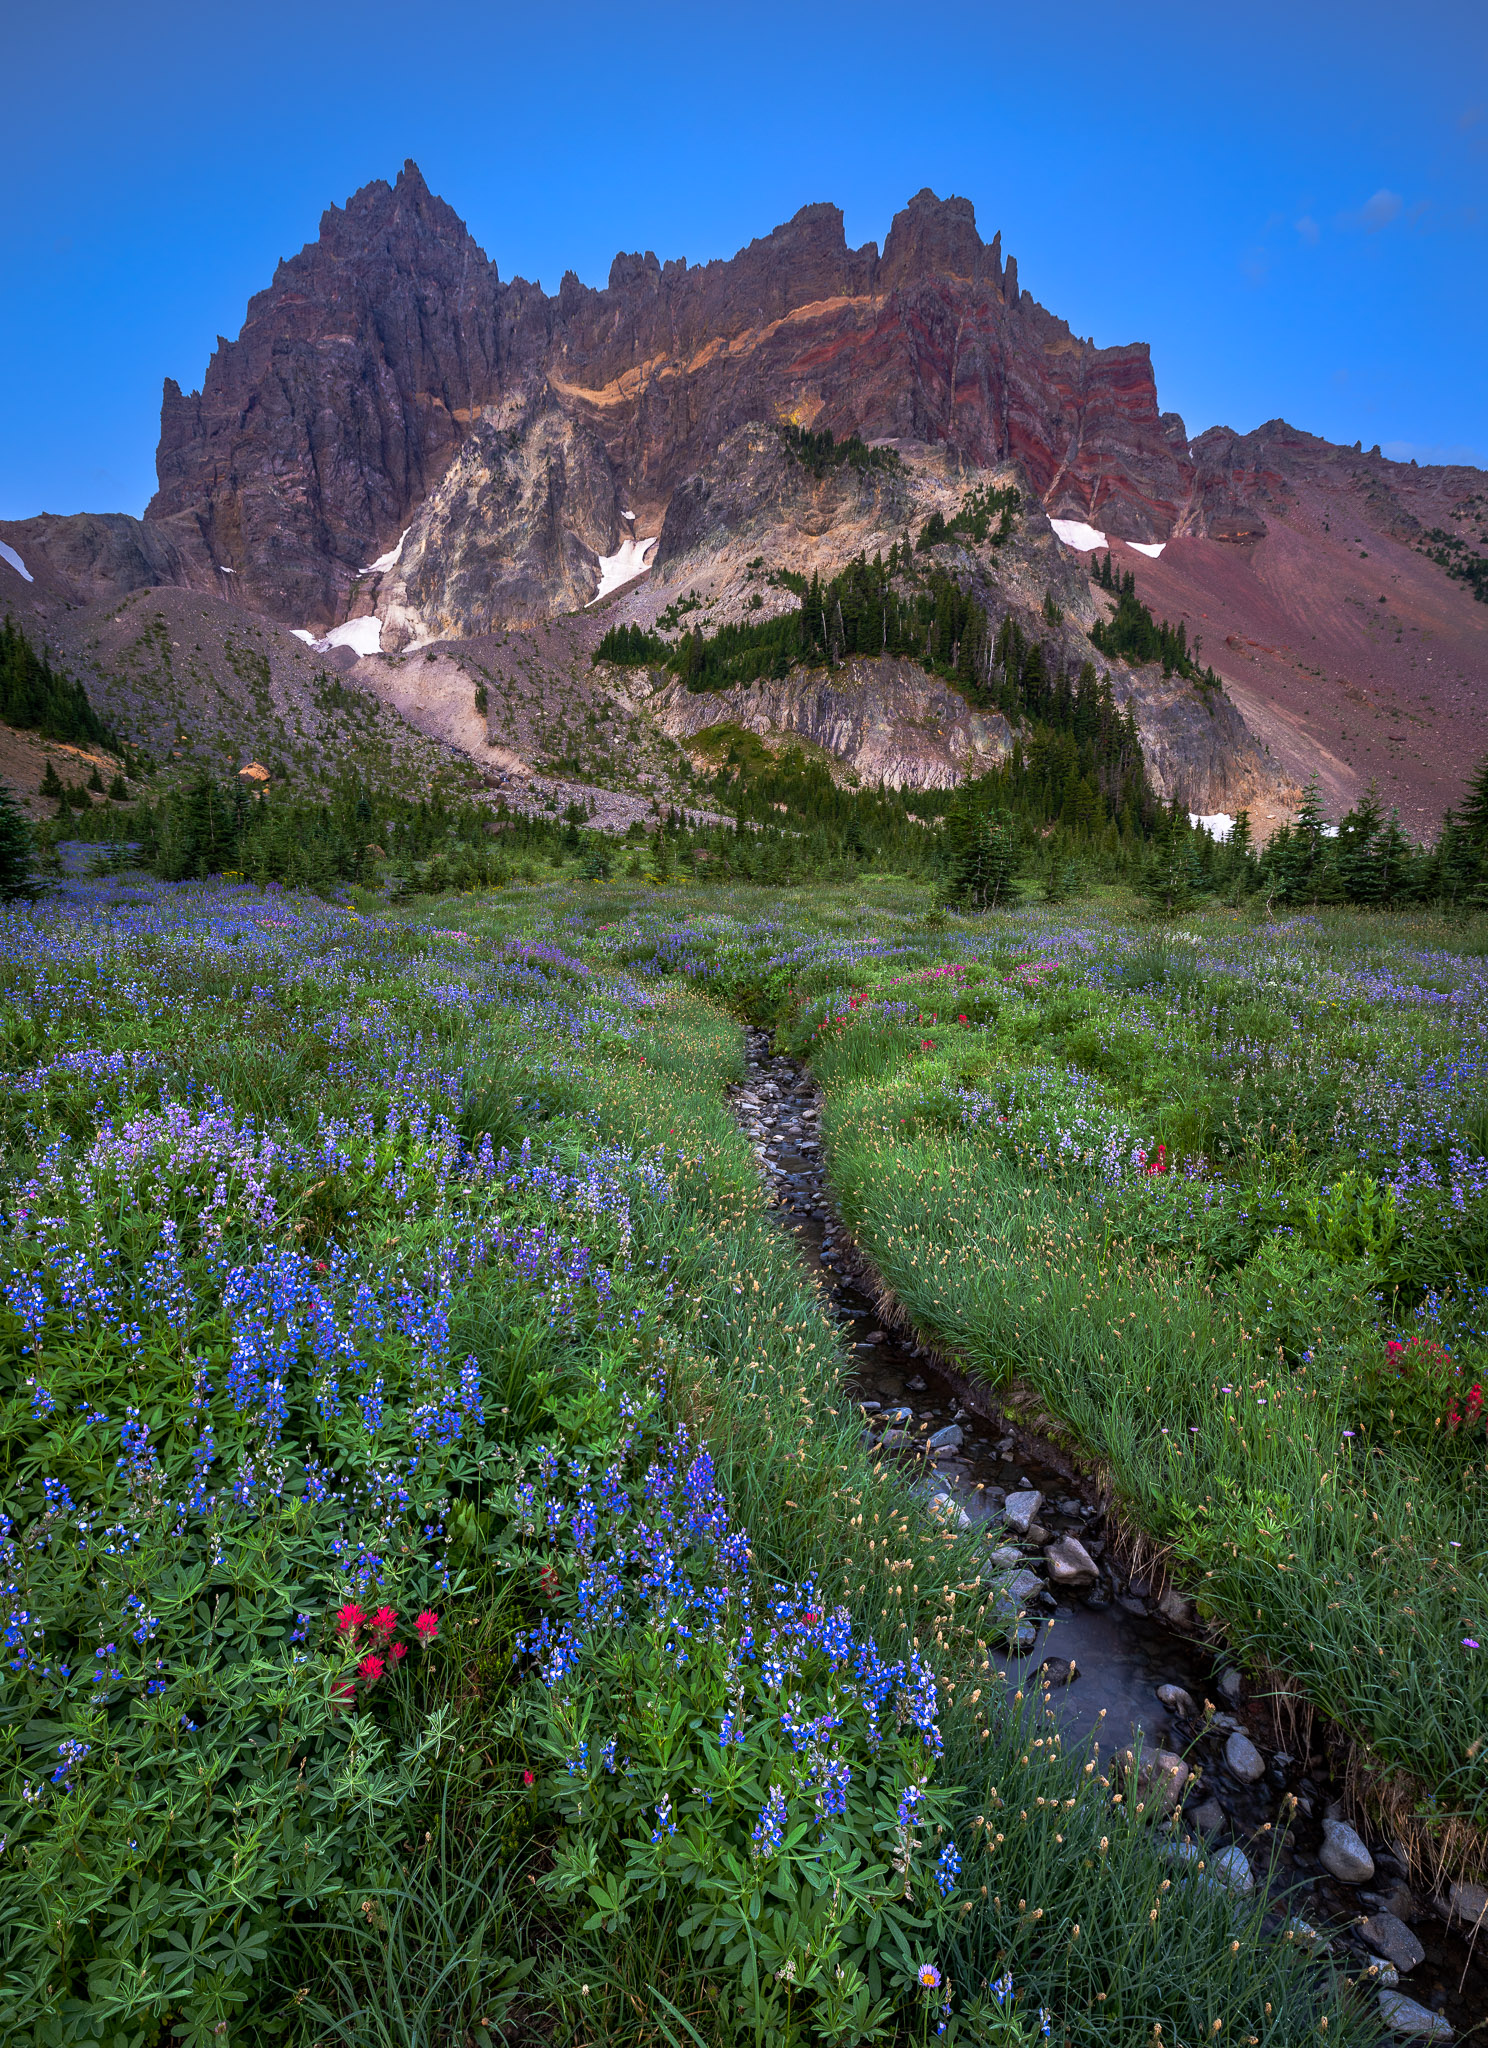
1289,202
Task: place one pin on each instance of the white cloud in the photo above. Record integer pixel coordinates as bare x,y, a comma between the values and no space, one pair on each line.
1309,230
1376,212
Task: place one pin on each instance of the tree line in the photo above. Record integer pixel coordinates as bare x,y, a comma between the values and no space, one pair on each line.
1132,634
993,847
38,698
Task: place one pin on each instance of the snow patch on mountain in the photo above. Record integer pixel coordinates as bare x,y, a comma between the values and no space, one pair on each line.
362,636
628,560
1076,534
385,562
15,561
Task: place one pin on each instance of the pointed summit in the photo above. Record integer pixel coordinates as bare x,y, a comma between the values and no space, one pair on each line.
933,237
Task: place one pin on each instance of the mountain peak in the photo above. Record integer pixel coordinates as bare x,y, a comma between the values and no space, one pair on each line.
933,237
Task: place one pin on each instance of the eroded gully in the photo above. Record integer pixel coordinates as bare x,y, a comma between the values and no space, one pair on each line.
1119,1657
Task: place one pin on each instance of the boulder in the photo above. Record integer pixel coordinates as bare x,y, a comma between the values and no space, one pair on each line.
1070,1563
1156,1783
1413,2022
1232,1868
1392,1939
1344,1854
1019,1510
1467,1904
1243,1760
1177,1608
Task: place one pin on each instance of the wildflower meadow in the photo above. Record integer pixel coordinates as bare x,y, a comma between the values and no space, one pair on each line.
447,1594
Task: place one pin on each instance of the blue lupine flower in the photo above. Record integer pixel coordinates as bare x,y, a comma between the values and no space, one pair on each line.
769,1829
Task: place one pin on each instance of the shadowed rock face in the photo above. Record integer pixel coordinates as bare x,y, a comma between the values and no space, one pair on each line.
887,720
354,379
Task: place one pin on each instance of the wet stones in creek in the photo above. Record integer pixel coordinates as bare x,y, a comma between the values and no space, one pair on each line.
1070,1563
1019,1510
1410,2021
1243,1759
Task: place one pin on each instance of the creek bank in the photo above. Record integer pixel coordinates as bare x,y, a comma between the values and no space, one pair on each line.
1121,1656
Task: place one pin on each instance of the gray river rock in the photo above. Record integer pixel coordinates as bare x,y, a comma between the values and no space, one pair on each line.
1020,1508
1392,1939
1413,2022
1344,1854
1244,1759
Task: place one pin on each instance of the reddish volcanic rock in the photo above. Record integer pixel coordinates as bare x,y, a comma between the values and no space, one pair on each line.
360,370
388,382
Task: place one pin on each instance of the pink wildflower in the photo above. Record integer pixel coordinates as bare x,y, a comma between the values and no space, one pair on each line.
371,1668
384,1621
349,1618
426,1626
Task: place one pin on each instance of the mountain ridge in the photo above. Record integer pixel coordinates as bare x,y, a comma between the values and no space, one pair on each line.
400,443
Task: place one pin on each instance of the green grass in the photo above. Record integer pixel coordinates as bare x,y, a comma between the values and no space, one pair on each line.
1226,1367
426,1827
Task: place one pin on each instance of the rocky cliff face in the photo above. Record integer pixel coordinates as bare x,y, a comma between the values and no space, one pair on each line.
356,376
320,432
512,533
399,436
885,721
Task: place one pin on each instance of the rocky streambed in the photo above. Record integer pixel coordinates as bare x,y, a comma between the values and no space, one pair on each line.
1124,1661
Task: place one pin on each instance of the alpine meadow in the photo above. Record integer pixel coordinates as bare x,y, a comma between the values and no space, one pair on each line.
744,1205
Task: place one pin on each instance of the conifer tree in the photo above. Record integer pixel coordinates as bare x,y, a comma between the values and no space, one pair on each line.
15,850
983,857
1474,812
1357,850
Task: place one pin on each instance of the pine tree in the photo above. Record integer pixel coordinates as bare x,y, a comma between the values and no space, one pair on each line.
1356,851
1474,812
1294,856
1175,874
1397,862
15,850
1459,866
983,857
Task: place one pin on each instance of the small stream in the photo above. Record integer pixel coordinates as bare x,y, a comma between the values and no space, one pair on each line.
1101,1644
